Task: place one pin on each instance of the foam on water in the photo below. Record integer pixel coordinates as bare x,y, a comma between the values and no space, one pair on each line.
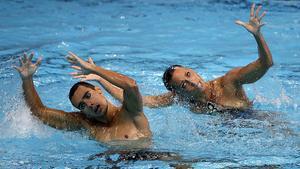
19,123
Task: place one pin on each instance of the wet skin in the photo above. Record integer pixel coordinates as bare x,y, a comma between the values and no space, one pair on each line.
222,91
101,119
91,102
225,92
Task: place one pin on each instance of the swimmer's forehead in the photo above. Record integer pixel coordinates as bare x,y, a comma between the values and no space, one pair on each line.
79,94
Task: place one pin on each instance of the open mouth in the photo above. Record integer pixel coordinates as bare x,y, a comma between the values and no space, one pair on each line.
199,85
97,108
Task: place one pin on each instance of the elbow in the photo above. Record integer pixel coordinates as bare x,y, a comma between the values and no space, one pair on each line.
130,84
266,63
269,64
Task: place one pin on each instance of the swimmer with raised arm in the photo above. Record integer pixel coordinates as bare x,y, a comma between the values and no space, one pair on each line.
102,120
225,93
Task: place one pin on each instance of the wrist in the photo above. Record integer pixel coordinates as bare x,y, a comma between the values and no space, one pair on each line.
92,68
256,33
25,78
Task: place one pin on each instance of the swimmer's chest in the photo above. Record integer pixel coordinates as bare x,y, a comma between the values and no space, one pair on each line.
122,128
228,96
223,98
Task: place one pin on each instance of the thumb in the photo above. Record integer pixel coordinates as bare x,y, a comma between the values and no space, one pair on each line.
39,61
261,25
238,22
90,60
17,68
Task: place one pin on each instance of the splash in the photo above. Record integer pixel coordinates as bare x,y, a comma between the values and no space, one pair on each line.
18,121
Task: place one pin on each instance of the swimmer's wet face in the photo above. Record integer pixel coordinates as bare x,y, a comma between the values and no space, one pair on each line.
89,100
186,82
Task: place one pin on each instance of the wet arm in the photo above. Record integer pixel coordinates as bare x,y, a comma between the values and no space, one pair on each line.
162,100
255,70
52,117
132,98
113,90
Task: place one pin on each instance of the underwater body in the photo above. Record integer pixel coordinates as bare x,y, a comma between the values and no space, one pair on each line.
141,39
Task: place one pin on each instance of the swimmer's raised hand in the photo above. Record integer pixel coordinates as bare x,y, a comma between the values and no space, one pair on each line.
27,68
82,67
89,77
255,23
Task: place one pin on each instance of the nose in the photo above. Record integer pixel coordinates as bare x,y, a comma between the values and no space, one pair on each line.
192,83
89,104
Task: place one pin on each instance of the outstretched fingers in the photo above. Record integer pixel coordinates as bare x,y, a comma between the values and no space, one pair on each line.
74,59
90,60
261,25
81,77
17,68
24,58
21,61
30,56
73,56
77,75
252,10
71,60
76,67
262,15
240,23
38,62
257,11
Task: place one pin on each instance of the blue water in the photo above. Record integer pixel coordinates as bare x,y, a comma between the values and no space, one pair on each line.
141,39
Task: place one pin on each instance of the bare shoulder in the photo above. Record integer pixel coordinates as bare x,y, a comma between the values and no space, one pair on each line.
77,115
82,119
226,82
231,77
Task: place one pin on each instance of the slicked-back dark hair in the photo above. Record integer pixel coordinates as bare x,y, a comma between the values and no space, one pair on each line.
168,76
76,85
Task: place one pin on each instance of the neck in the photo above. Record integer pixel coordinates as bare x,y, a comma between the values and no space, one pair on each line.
111,112
204,95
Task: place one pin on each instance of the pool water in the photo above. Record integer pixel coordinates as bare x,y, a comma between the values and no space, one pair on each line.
141,39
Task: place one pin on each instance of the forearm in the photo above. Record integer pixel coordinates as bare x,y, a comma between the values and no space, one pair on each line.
61,120
116,92
265,55
114,78
31,97
255,70
52,117
162,100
